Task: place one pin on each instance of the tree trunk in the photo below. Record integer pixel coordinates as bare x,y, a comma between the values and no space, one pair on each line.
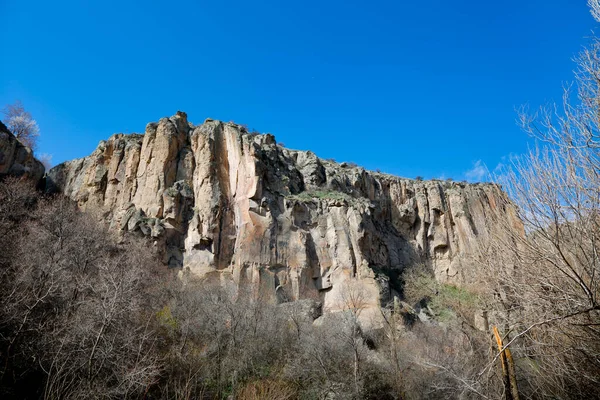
508,369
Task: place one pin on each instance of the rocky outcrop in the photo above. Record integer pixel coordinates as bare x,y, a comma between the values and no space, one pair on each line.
17,159
231,206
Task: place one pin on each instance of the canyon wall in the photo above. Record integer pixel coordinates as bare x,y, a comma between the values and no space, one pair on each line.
235,207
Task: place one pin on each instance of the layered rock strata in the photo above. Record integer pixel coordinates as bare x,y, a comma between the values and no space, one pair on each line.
232,206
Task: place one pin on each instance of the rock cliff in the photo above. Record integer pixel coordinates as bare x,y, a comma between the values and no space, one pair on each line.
16,158
233,206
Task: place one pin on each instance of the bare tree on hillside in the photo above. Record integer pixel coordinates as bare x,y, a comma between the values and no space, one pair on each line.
76,309
547,281
354,298
21,124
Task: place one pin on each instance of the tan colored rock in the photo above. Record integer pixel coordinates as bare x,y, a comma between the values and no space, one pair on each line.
231,206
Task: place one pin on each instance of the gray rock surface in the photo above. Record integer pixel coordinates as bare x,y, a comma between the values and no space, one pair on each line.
17,159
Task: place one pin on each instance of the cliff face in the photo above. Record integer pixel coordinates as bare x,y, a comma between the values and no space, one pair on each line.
235,207
17,159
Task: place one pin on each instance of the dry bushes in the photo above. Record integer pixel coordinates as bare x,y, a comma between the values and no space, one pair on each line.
76,308
267,390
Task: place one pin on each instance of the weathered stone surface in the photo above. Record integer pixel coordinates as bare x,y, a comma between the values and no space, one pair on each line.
229,205
304,309
17,159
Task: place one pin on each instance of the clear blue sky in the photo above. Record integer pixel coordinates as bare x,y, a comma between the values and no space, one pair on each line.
411,87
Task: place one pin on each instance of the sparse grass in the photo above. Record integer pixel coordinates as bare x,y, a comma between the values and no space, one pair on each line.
452,300
321,194
445,300
457,294
165,318
444,314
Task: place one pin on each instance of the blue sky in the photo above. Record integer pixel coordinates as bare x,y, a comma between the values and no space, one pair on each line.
414,88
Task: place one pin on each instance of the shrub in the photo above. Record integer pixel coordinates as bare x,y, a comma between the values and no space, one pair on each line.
445,300
171,192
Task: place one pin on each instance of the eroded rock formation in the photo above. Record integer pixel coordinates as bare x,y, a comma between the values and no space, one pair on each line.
232,206
17,159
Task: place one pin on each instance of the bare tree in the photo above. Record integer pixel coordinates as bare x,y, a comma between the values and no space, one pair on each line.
21,124
595,8
76,310
545,295
354,298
